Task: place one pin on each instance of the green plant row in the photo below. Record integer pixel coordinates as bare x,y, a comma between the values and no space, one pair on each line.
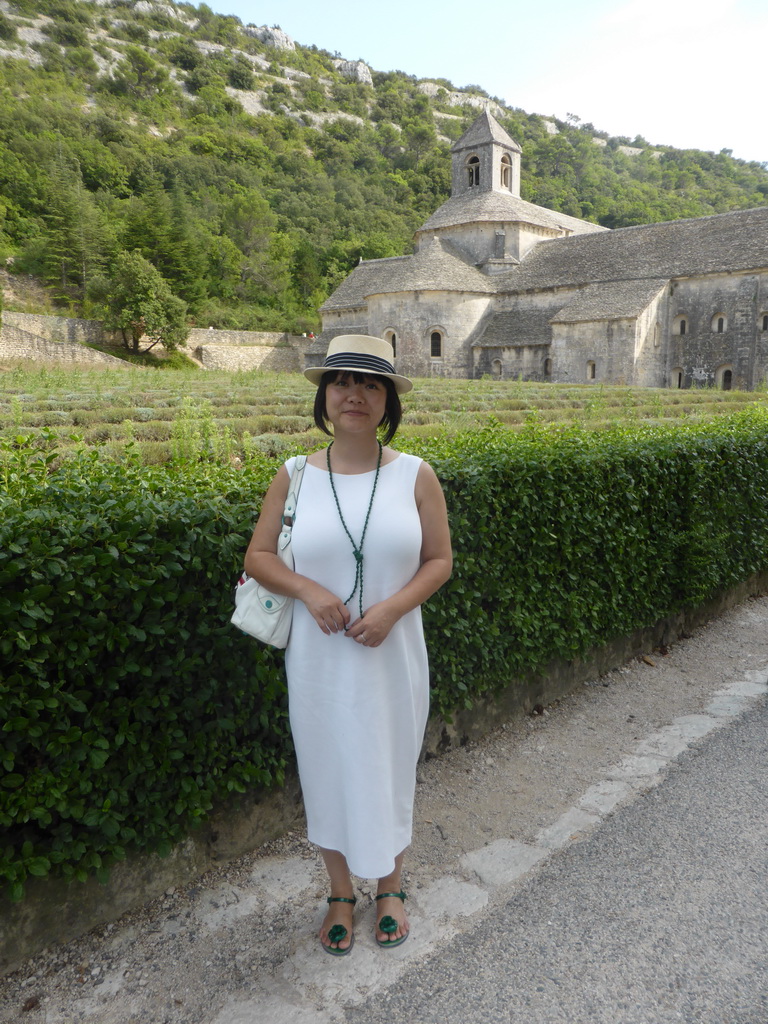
129,705
272,413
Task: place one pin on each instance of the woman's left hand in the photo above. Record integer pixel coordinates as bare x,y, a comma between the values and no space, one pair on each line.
373,629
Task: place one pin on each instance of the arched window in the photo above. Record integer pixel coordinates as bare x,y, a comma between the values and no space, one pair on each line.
391,337
680,325
724,377
547,367
764,322
506,172
591,370
473,171
719,323
677,377
496,368
436,345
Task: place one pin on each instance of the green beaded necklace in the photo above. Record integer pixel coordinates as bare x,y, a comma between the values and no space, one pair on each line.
356,548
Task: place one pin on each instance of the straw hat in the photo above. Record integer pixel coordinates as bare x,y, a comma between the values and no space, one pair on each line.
361,354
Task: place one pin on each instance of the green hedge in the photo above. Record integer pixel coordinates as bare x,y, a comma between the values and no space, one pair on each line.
567,540
128,703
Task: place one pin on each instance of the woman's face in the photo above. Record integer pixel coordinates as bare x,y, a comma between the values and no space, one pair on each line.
356,407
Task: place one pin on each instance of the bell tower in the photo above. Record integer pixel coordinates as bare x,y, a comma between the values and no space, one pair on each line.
485,159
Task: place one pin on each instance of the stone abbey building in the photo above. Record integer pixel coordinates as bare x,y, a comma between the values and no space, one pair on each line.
500,286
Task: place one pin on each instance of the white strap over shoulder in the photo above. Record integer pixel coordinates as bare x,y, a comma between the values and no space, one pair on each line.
291,502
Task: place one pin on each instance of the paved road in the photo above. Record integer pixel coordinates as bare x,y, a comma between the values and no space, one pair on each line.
659,916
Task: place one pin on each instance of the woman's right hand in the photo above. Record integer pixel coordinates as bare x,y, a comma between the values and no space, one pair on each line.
328,610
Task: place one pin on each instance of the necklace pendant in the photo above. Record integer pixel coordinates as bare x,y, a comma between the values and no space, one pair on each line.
356,549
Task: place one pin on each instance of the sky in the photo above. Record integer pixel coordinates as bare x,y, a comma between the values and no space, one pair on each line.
684,73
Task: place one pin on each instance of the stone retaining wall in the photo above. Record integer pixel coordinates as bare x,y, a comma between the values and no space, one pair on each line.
249,357
57,328
210,336
20,344
35,336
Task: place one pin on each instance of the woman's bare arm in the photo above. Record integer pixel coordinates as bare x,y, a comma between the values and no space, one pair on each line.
261,562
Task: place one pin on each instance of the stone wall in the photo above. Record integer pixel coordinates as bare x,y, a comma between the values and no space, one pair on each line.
18,344
282,359
651,369
609,344
512,362
210,336
248,350
414,316
35,336
742,345
57,328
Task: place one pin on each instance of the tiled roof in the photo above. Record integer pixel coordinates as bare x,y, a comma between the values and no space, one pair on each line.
723,243
437,266
476,206
484,129
527,324
612,300
352,291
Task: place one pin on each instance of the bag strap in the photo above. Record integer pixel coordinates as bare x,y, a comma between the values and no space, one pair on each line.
291,501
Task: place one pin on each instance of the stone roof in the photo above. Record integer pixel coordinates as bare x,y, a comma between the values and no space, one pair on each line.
437,266
528,324
723,243
502,207
352,291
483,130
611,300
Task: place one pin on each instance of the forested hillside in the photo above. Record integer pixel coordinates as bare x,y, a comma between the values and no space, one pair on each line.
252,177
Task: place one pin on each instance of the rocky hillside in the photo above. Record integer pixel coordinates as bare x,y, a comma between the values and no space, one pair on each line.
253,172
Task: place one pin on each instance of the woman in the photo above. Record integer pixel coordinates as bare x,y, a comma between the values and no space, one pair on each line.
370,544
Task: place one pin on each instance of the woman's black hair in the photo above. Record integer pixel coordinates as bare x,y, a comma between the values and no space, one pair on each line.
393,410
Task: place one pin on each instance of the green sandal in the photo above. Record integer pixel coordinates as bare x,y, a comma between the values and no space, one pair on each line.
338,932
389,925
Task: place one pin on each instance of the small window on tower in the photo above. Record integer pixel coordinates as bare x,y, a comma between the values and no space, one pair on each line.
473,169
506,172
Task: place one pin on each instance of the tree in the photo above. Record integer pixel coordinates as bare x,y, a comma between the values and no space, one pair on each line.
78,239
139,303
139,75
419,138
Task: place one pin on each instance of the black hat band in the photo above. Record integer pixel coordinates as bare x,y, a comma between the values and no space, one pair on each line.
366,363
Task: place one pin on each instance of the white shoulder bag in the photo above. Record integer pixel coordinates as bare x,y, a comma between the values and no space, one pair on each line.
259,612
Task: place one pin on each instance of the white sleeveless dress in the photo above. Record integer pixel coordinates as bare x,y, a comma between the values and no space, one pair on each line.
358,714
